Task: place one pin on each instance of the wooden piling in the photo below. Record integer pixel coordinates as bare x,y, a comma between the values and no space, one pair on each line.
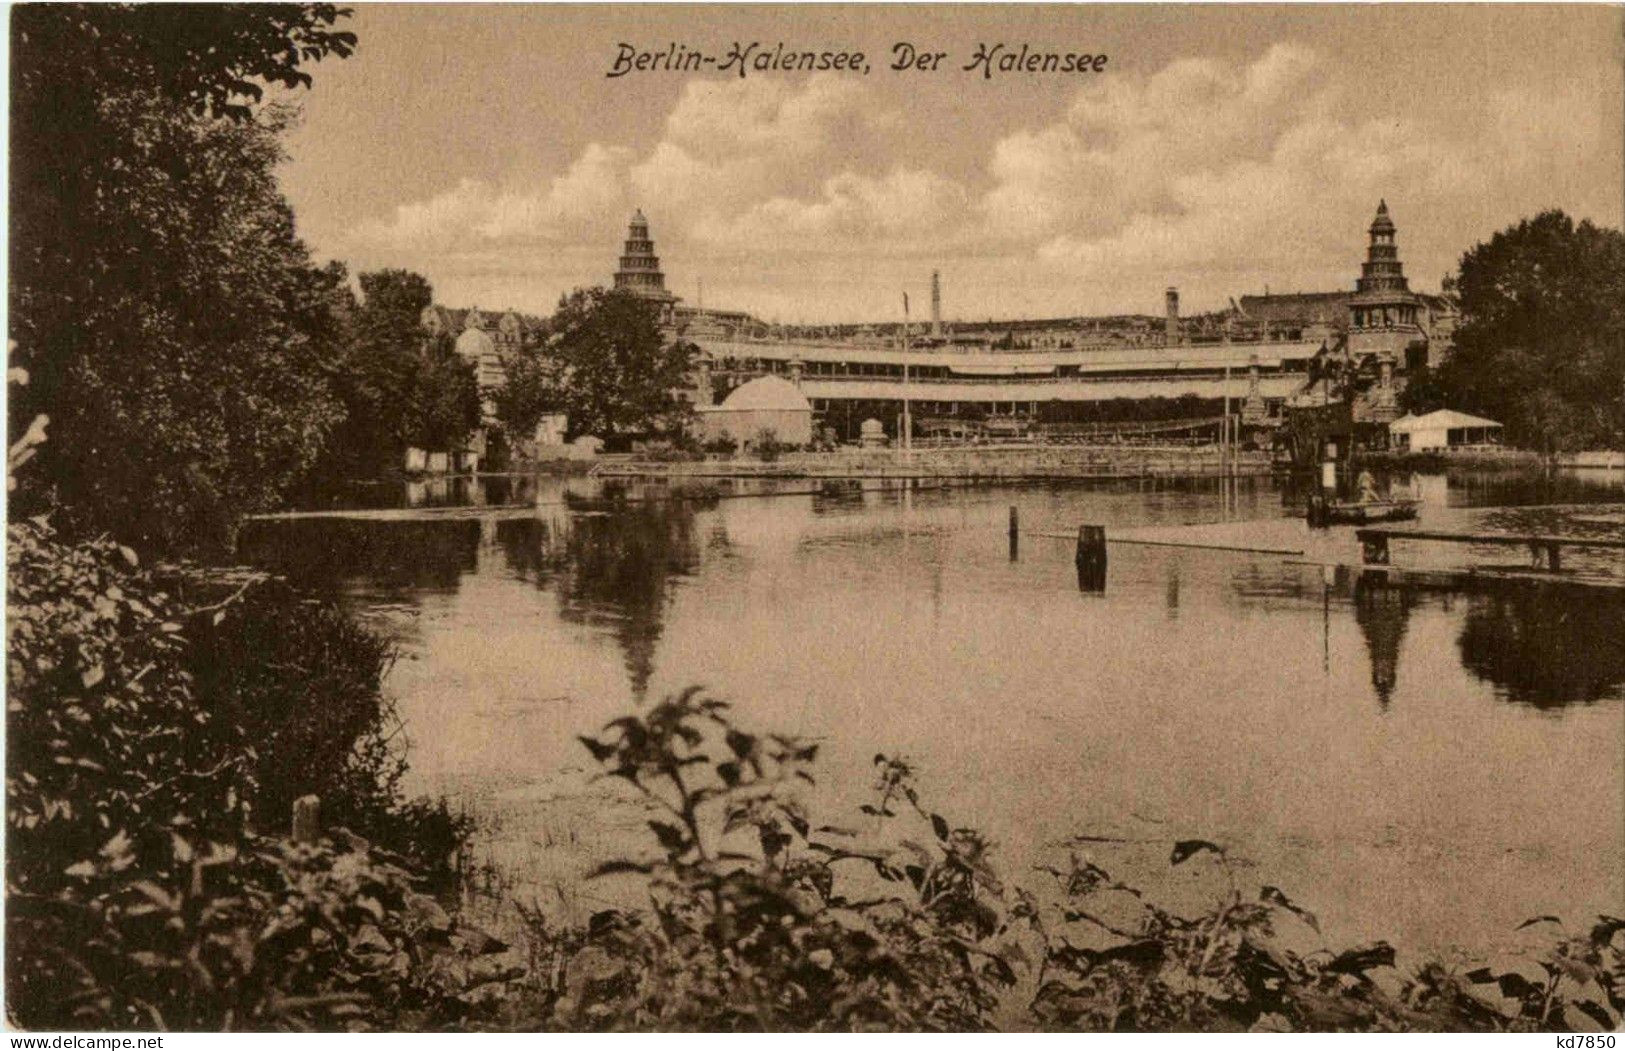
1091,558
1015,533
307,819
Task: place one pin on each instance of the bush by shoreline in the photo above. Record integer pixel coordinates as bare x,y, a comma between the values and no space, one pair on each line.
157,731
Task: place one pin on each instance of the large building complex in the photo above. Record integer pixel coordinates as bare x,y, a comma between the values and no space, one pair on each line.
1261,354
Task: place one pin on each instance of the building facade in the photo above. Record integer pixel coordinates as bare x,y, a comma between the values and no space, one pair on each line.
1264,354
1259,357
485,339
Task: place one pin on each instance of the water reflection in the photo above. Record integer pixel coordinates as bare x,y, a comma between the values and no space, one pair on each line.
1382,613
1546,647
611,569
1559,486
402,555
883,617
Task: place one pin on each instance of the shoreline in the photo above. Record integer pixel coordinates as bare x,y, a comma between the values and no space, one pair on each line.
993,464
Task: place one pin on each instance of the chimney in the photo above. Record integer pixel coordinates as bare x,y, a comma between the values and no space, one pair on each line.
936,305
1171,331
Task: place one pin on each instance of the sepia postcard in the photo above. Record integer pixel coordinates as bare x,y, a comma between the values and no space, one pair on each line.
932,518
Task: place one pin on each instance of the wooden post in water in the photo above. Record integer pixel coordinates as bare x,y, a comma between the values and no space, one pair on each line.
307,819
1317,514
1091,558
1015,533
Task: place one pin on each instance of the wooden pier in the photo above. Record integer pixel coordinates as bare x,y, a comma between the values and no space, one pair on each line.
1543,548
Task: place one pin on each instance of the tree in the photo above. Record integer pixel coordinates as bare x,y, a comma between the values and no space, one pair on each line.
533,389
444,406
1541,344
172,324
616,375
399,386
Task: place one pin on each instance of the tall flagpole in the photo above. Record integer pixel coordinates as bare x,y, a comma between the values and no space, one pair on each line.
908,423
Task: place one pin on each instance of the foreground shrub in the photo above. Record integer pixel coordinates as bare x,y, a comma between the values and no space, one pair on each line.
760,920
747,929
299,679
137,895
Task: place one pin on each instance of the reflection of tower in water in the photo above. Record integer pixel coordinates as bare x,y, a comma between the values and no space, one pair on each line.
610,570
1382,614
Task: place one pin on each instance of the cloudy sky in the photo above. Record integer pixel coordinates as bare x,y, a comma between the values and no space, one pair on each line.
1222,150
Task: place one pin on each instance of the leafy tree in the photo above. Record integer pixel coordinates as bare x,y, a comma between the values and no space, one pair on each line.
1541,345
616,373
533,389
173,327
445,401
399,386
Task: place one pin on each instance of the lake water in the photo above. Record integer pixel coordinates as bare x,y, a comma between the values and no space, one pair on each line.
1429,767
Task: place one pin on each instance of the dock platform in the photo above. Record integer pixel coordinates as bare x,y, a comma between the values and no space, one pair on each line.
1543,548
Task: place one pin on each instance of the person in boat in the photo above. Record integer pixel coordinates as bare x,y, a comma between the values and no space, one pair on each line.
1368,488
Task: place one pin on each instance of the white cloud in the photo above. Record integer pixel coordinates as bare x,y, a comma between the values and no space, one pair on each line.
474,212
1216,177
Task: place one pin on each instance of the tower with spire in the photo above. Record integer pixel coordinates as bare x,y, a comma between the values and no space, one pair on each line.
1382,297
639,272
1385,332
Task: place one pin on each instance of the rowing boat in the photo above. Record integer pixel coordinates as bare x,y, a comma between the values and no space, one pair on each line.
1360,512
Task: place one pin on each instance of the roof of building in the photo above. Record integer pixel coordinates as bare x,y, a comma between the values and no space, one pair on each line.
1382,221
1330,308
455,319
1439,418
474,343
767,393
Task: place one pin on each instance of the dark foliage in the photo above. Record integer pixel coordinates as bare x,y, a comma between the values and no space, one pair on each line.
211,58
608,366
172,324
1541,345
399,386
533,389
299,679
138,895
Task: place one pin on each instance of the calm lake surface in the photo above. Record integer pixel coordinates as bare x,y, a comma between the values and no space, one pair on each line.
1423,766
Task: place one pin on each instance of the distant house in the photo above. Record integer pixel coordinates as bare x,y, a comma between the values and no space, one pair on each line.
1443,429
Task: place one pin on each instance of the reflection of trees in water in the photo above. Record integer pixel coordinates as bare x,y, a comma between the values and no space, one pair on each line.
1382,614
1497,488
321,553
458,491
1546,646
610,570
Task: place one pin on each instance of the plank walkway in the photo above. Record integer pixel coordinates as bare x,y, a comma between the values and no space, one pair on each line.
1543,547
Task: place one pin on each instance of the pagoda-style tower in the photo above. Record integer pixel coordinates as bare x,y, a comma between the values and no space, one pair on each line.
640,267
1382,297
1383,329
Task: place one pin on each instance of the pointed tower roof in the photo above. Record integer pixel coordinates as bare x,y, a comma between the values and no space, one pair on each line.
1382,221
639,272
